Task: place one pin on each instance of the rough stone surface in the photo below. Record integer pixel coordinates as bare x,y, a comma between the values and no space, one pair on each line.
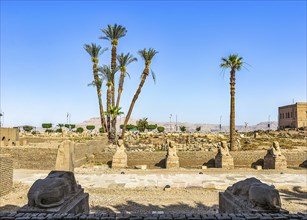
120,157
156,216
6,174
57,193
250,195
66,156
223,159
274,158
172,159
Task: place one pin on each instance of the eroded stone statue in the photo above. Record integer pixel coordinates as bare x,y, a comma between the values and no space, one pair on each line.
274,158
171,149
223,149
58,192
172,160
250,194
275,149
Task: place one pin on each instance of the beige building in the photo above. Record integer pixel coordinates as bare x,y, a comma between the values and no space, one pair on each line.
292,116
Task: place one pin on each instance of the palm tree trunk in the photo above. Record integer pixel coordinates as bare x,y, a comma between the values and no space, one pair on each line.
120,88
113,65
98,87
135,97
232,111
109,93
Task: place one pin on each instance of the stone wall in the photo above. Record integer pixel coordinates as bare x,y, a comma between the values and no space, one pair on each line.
11,134
44,158
197,158
6,174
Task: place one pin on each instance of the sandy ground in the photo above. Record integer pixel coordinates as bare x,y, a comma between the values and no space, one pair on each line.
145,200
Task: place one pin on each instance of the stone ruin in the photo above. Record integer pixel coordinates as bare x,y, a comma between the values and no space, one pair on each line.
65,160
120,157
274,158
250,196
223,159
172,159
57,193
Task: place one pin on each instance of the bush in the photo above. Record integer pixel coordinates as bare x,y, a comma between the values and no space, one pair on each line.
183,128
142,124
130,127
90,127
160,129
79,130
71,125
59,130
121,126
101,130
198,129
151,127
49,130
47,125
27,128
60,125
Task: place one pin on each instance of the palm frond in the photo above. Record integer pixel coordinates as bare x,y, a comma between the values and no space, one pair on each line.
113,32
153,76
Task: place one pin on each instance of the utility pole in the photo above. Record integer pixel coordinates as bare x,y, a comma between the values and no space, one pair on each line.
176,124
269,123
221,124
170,122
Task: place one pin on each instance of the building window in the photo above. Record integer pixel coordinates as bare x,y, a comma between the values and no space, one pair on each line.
291,114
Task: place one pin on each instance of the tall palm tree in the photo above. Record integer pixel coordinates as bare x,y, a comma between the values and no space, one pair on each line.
147,56
112,34
108,74
234,62
123,62
95,51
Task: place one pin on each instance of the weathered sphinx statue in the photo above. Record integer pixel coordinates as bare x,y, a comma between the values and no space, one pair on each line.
172,160
250,195
274,158
59,193
223,159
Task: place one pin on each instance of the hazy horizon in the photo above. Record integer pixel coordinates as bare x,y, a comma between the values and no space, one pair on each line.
45,70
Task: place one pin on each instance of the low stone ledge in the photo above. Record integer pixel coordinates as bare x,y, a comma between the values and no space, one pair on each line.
124,216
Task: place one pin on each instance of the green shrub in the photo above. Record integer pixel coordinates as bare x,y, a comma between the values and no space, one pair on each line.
142,124
160,129
60,125
49,130
121,126
130,127
90,127
59,130
27,128
198,129
47,125
79,130
183,128
71,125
151,127
101,130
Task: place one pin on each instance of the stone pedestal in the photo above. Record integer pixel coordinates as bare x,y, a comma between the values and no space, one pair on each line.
119,160
65,159
57,193
275,162
222,161
172,162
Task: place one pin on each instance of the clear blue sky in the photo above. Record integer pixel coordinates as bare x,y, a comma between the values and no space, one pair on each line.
45,70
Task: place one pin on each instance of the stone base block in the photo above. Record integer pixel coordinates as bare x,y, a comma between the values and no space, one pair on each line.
172,162
141,167
279,162
224,162
76,204
119,160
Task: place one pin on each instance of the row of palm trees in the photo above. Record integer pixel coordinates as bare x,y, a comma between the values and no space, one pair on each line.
107,72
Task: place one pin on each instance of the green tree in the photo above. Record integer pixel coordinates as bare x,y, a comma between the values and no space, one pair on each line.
95,51
123,62
160,129
60,125
234,62
90,127
183,128
79,130
151,127
198,128
47,125
147,56
142,124
107,74
27,128
112,34
114,112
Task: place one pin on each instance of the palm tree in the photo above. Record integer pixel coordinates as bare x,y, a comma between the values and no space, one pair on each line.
123,62
112,34
147,56
234,62
108,74
95,51
114,112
